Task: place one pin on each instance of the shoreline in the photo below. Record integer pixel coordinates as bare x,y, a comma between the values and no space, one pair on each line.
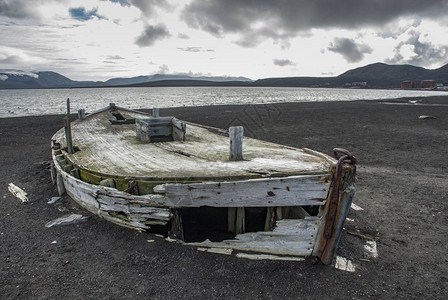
429,100
402,184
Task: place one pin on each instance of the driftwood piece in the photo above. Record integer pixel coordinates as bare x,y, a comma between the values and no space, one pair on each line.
67,220
18,192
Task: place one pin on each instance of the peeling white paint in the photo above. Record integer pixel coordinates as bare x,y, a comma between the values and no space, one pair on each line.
344,264
356,207
371,249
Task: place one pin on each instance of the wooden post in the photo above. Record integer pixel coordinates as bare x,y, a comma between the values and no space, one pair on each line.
270,219
68,135
68,130
60,185
236,221
81,114
231,222
155,112
240,220
177,230
53,173
236,142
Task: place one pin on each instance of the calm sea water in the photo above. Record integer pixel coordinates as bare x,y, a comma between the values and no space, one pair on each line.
14,103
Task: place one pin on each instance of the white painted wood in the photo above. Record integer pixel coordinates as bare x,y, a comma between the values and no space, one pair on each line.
18,192
118,207
236,142
288,191
290,237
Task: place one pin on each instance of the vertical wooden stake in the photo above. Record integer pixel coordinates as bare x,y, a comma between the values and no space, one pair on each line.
270,219
240,220
81,114
68,135
68,130
60,185
155,112
231,215
177,230
236,142
53,173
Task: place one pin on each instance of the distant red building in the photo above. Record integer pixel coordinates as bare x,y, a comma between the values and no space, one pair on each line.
424,84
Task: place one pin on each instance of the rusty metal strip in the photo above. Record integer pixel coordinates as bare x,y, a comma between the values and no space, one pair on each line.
343,156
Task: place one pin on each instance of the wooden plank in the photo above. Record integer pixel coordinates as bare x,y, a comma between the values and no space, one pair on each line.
236,142
53,173
240,226
288,191
60,184
290,237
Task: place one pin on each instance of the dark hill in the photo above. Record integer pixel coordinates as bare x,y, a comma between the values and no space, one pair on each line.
378,75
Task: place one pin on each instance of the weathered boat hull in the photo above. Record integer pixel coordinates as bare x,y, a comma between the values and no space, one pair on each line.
289,229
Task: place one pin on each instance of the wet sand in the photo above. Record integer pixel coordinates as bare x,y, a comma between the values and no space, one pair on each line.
402,187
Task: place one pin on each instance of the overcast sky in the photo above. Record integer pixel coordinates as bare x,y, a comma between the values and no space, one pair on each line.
102,39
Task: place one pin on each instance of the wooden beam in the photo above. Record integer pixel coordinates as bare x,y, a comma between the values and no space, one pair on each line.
270,192
236,142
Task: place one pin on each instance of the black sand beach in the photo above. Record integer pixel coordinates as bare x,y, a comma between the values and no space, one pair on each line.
402,187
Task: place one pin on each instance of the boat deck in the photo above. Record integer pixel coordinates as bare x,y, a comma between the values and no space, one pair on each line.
114,150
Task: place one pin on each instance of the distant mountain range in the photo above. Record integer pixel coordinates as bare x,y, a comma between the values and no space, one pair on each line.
378,75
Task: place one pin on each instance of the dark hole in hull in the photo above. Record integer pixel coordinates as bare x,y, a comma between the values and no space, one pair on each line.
204,223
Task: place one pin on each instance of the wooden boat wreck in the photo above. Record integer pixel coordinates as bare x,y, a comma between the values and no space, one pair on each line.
161,174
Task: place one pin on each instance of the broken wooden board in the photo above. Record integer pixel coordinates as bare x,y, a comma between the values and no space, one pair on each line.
290,237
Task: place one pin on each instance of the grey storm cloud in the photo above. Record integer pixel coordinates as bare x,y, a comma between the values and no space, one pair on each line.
349,49
147,7
424,52
151,34
283,62
20,9
288,18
